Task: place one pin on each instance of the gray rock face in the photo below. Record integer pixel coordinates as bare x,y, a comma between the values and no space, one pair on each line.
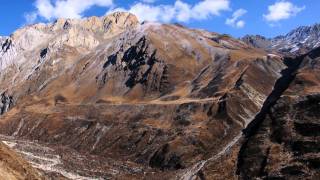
82,34
257,41
298,41
6,102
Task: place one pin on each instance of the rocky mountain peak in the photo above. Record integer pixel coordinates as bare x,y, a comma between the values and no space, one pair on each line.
257,41
81,34
70,29
298,41
114,22
304,34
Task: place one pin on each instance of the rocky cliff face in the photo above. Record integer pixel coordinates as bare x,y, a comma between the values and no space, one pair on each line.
258,41
110,97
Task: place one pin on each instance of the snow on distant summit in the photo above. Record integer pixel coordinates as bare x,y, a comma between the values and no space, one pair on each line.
298,41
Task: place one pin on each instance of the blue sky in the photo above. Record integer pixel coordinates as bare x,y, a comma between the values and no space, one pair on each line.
235,17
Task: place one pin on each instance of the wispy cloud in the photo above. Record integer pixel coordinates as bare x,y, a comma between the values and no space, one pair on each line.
179,11
30,17
51,9
234,20
282,10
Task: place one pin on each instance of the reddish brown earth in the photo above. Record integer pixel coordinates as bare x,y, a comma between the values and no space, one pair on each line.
112,98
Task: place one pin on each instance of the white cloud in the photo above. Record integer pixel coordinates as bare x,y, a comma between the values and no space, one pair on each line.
179,11
234,20
282,10
51,9
30,17
163,13
209,7
183,11
240,24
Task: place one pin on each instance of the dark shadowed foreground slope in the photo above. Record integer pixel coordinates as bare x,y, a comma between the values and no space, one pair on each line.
285,144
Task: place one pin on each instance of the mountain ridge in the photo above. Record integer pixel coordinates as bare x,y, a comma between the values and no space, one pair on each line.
298,41
111,97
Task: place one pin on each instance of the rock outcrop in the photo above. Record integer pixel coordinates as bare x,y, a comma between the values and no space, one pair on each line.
6,102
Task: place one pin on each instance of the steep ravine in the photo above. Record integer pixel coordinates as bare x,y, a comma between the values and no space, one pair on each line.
282,84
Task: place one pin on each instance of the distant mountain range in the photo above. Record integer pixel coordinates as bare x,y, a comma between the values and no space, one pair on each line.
298,41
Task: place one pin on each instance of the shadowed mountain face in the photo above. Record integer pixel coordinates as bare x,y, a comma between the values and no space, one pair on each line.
285,143
109,97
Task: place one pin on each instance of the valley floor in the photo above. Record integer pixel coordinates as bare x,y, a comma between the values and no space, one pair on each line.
64,163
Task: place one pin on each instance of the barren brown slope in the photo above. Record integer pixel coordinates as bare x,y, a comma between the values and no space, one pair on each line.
160,99
13,167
